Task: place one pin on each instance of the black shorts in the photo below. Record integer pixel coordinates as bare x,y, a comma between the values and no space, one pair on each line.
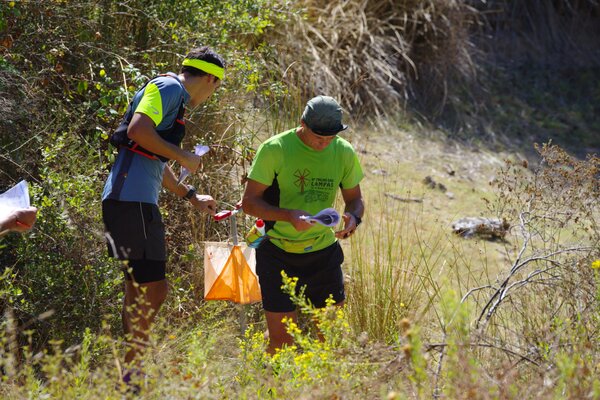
320,272
136,233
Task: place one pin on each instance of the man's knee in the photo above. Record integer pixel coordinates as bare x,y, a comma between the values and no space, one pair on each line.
155,292
146,295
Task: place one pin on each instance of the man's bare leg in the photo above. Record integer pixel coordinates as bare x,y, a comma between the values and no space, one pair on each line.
141,304
278,335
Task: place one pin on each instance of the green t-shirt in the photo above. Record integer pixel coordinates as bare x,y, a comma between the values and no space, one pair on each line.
300,177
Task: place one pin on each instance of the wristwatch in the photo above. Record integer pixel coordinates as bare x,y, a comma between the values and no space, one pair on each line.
191,192
356,218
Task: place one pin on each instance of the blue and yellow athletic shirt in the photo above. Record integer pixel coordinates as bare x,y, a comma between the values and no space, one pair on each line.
160,100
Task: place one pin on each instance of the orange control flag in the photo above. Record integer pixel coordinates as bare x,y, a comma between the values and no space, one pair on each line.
229,273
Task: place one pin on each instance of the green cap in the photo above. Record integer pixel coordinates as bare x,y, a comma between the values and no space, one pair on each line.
323,115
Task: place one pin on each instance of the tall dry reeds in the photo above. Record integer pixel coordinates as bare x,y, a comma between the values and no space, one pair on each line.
376,55
438,58
559,34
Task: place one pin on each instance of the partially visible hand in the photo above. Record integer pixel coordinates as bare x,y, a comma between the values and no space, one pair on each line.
349,226
190,161
204,203
300,224
21,220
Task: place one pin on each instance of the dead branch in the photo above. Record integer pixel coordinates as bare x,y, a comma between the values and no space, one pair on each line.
503,291
403,199
522,357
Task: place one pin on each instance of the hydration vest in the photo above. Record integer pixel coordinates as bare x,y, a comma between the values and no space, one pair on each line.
173,135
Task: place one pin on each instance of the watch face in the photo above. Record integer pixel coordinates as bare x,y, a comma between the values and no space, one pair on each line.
190,193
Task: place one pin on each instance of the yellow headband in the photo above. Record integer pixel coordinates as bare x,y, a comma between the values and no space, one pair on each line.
205,66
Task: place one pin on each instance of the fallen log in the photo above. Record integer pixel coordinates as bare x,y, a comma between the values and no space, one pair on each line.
489,228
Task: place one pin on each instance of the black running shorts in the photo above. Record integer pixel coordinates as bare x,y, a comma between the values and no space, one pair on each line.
136,233
319,271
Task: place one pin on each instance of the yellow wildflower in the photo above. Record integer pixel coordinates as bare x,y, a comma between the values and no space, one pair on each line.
596,264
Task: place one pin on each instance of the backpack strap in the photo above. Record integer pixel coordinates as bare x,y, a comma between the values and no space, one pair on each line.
115,193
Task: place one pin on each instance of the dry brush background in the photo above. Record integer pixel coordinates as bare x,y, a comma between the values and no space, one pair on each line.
426,84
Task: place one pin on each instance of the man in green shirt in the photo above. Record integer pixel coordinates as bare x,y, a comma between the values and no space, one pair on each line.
295,174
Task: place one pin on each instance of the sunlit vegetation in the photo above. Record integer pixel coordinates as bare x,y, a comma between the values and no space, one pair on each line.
428,314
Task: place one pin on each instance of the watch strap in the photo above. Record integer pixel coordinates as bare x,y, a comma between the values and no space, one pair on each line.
191,192
356,218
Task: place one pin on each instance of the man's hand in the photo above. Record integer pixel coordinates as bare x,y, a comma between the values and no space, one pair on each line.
189,160
349,226
204,203
299,224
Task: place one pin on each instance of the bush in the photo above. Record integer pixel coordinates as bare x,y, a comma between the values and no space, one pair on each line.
69,89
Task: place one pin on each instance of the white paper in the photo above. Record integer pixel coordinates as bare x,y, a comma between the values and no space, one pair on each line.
14,198
199,150
327,217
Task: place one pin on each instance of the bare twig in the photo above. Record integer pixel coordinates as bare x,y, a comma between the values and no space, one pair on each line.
502,292
438,371
432,346
403,199
10,160
471,291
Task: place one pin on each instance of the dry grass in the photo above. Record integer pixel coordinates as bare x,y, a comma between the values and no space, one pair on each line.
513,332
374,55
543,32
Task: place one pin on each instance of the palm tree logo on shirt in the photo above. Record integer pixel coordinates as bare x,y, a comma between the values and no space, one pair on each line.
301,179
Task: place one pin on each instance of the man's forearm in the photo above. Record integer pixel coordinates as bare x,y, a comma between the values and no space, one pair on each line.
152,141
169,182
142,131
259,208
355,207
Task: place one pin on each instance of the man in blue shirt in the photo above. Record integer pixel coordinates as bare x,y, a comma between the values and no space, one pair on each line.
151,133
